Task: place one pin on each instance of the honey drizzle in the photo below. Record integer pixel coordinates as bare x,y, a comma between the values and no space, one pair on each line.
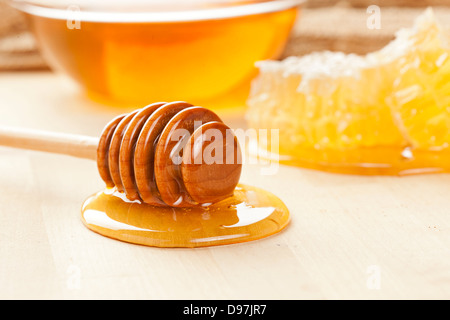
250,214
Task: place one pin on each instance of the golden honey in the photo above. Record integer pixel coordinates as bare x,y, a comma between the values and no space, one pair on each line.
135,61
250,214
384,113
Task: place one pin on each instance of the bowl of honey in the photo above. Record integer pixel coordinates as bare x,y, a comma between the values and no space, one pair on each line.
137,51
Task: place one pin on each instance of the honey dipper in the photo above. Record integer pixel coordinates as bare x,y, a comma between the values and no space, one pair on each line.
155,155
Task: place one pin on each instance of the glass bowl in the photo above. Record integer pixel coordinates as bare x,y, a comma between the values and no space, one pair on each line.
143,51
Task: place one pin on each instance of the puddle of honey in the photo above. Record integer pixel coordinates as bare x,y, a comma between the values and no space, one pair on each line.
250,214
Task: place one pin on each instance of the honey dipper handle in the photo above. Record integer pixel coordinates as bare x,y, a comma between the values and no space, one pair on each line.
69,144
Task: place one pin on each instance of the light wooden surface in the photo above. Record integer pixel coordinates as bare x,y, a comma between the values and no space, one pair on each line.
350,237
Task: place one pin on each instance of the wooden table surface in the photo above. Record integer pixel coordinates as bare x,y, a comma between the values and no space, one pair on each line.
350,237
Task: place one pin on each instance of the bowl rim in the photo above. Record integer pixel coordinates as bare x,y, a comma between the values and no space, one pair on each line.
74,13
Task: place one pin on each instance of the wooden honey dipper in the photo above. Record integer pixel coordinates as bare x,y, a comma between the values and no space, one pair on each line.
155,154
